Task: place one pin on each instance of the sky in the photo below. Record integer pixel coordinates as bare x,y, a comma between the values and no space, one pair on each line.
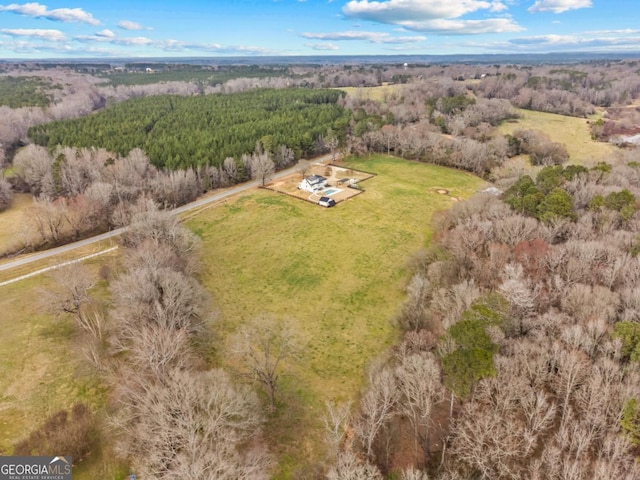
198,28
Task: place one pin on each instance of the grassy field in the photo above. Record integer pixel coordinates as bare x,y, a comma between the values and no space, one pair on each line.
572,131
378,94
336,274
41,370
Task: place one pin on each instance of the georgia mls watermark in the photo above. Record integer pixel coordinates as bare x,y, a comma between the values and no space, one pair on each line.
35,468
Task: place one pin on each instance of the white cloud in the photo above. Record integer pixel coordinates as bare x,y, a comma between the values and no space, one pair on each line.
129,25
626,31
439,16
580,42
45,34
106,33
396,11
559,6
546,40
132,41
322,46
464,27
37,10
373,37
169,45
107,36
172,45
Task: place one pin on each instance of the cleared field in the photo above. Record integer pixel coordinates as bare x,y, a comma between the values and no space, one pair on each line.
336,274
41,370
572,131
378,94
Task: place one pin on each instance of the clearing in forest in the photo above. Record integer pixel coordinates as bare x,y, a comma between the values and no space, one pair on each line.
572,131
336,274
378,94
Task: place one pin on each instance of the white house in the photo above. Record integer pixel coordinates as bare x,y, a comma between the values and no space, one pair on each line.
313,183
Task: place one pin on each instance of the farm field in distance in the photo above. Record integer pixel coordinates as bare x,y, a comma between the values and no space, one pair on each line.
572,131
337,274
377,94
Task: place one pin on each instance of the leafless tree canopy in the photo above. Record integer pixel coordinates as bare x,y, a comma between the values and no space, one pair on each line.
538,319
261,346
192,426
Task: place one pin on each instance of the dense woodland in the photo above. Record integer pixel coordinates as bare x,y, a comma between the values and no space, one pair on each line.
520,330
180,132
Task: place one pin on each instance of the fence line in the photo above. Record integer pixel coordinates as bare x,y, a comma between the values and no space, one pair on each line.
53,267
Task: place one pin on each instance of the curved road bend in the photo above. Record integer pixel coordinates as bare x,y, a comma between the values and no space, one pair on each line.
176,211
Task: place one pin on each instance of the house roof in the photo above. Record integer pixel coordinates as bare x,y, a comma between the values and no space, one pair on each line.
313,179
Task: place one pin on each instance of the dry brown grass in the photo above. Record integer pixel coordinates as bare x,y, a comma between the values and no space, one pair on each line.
378,94
13,222
573,132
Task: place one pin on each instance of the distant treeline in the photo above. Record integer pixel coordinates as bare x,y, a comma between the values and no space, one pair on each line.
182,132
136,73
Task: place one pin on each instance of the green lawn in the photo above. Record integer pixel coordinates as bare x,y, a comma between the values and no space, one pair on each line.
337,274
572,131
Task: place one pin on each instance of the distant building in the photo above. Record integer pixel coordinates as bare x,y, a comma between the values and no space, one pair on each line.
313,183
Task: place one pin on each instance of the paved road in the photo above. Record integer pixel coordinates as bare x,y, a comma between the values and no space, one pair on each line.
185,208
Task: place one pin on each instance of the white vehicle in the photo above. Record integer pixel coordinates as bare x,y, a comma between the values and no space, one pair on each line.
326,202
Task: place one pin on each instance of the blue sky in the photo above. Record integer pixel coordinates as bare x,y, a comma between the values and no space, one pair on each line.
101,28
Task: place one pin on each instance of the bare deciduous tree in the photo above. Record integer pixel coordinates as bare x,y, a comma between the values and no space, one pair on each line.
6,194
418,379
192,426
262,345
285,157
48,219
262,167
71,293
349,467
376,407
336,419
153,225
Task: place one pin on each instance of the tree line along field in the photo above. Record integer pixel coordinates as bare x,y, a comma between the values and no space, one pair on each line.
181,132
